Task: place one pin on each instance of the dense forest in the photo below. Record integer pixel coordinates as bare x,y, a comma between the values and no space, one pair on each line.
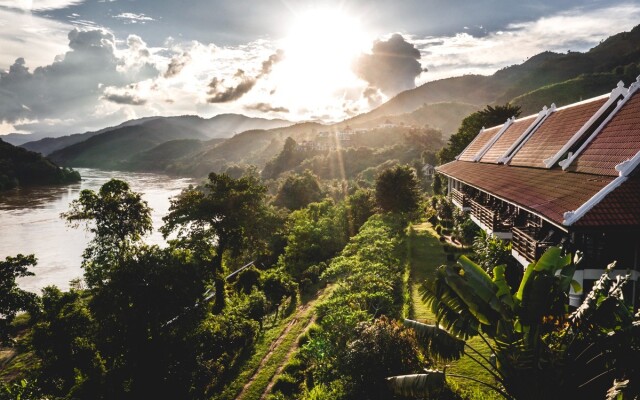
20,167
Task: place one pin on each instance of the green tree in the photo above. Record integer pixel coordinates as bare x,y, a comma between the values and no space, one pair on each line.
471,126
118,219
278,286
12,298
228,214
361,205
298,190
397,190
380,348
316,234
290,157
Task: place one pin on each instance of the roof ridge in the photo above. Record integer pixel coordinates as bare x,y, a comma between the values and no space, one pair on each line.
494,139
633,88
526,135
618,91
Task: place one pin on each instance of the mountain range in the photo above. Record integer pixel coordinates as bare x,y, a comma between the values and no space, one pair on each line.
194,145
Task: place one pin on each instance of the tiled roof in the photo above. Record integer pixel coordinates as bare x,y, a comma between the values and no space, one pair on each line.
478,143
554,132
513,132
549,193
618,141
619,208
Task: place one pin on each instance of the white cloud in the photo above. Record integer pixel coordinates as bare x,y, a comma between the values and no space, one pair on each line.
132,18
39,5
575,30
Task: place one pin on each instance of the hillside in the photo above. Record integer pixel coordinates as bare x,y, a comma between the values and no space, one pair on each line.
20,167
511,84
445,117
220,126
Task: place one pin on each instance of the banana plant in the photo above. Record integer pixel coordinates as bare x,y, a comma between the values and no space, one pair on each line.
541,350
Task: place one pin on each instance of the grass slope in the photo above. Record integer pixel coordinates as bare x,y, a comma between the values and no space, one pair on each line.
426,255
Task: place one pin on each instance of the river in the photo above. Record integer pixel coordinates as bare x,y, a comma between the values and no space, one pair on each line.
30,222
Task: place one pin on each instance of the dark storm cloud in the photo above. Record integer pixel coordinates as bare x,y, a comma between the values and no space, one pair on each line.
265,108
391,67
73,84
177,64
220,93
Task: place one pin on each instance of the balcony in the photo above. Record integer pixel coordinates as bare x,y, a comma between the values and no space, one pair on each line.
460,199
489,220
525,244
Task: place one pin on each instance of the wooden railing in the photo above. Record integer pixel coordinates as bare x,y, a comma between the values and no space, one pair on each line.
524,242
490,218
483,214
459,198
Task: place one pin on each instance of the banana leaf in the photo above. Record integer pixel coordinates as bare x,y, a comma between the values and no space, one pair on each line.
428,385
439,343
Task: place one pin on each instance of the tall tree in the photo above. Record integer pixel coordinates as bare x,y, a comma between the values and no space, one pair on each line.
298,191
12,298
228,214
471,126
397,190
118,218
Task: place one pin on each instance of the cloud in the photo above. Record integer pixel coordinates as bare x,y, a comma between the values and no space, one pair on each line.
41,5
132,18
124,96
265,108
267,65
576,30
73,84
177,64
392,66
220,93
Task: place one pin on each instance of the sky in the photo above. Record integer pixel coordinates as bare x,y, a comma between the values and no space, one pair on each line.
69,66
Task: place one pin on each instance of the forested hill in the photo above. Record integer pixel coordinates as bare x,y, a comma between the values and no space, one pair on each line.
181,127
20,167
542,79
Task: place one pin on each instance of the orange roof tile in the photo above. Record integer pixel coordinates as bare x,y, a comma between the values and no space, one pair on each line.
513,132
478,143
618,141
554,133
619,208
549,193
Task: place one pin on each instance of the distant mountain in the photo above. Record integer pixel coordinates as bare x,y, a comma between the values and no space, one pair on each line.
445,117
20,167
220,126
615,58
48,145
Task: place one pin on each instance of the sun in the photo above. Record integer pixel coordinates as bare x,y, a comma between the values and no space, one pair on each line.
320,49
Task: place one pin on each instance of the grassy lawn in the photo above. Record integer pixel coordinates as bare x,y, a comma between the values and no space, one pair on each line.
263,372
426,255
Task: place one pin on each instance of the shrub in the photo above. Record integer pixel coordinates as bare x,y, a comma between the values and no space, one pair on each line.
287,385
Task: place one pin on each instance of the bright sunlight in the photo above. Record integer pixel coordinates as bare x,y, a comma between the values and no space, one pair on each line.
319,50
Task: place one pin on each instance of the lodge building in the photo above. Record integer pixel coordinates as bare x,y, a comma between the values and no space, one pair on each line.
568,176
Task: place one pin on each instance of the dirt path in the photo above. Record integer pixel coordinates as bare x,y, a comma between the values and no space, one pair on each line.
293,348
301,312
